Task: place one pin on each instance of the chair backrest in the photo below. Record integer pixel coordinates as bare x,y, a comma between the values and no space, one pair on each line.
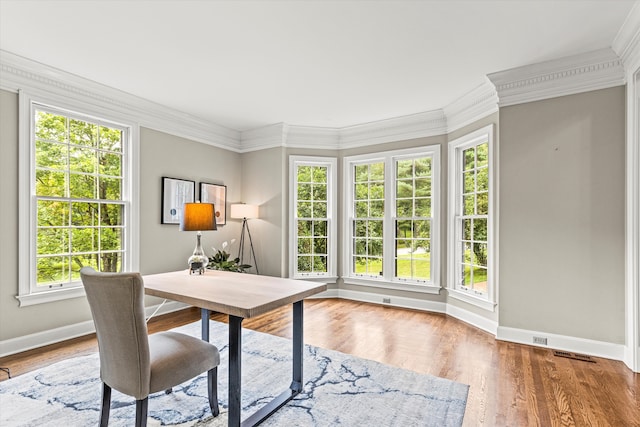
117,307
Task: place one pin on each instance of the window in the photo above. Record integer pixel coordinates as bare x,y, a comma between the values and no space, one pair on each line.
471,212
392,232
77,197
313,210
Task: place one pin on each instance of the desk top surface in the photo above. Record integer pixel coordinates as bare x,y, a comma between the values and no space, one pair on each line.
238,294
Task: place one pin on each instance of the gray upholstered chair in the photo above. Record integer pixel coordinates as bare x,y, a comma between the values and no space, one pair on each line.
133,362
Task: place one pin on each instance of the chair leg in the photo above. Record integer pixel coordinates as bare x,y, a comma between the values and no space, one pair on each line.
212,386
141,412
106,405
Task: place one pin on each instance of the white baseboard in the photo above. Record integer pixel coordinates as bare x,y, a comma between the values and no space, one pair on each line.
473,319
376,298
51,336
563,342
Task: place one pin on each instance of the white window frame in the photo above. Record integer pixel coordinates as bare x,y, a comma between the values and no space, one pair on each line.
387,280
28,293
331,163
456,147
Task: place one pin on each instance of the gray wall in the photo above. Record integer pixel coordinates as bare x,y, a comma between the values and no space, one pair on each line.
163,247
562,215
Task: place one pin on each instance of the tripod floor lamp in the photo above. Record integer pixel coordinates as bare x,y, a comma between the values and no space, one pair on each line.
245,212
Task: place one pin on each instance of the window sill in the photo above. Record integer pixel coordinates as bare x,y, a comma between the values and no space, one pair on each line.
50,296
325,279
410,287
471,299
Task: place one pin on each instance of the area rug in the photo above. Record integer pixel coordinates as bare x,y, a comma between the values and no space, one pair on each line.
339,390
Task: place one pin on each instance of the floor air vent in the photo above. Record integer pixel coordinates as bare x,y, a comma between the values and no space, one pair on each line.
575,356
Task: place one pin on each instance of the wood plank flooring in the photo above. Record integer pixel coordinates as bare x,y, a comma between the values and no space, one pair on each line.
510,384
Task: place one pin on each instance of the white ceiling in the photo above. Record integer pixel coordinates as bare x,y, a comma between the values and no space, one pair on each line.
247,64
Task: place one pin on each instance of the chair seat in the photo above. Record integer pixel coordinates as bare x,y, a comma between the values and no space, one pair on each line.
176,358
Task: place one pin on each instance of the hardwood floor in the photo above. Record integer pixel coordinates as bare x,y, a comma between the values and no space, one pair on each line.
510,384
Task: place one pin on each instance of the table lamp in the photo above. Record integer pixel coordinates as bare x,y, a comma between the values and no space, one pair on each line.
198,217
245,212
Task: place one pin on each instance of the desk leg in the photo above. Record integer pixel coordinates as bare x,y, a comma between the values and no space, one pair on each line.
298,347
204,315
235,369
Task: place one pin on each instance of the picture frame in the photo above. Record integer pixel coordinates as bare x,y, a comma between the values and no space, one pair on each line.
175,193
216,194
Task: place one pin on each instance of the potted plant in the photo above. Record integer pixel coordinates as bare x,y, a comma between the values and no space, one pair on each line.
221,260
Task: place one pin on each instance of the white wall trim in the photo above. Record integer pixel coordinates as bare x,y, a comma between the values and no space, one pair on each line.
51,336
473,319
627,41
377,298
17,73
599,69
476,104
562,342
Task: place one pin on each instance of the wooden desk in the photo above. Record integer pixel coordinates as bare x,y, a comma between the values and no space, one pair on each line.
240,296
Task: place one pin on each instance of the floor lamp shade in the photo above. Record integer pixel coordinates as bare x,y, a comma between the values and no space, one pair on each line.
242,210
198,217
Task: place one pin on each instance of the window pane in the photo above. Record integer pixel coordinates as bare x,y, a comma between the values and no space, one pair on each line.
304,245
404,188
52,270
304,174
52,241
110,139
359,265
480,279
374,247
80,261
320,264
469,204
361,247
304,264
468,159
375,228
360,228
319,174
403,247
480,229
304,209
362,191
51,127
82,186
50,183
483,203
52,213
467,275
362,173
110,239
466,229
376,191
466,253
111,214
362,209
83,133
110,189
320,228
84,239
304,228
304,191
423,207
404,228
51,155
404,208
82,160
110,164
423,167
404,169
422,229
84,214
421,269
376,172
482,151
423,187
319,192
111,262
319,209
374,266
483,179
480,254
319,245
376,208
469,182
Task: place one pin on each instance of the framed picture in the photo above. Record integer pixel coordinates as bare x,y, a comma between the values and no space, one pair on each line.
216,194
175,193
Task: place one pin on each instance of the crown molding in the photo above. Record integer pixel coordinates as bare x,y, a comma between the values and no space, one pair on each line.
17,73
419,125
472,106
264,137
627,41
313,137
593,70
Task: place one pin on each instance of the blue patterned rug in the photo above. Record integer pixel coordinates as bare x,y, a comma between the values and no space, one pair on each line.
340,390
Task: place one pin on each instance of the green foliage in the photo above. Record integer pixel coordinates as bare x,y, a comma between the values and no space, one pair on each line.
222,260
77,161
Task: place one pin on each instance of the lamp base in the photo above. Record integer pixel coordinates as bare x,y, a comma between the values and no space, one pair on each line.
198,261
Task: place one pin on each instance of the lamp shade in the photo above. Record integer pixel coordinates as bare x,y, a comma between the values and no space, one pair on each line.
198,217
242,210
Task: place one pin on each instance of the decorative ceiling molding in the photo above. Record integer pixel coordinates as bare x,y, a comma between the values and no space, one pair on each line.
627,41
417,125
594,70
264,137
17,73
313,137
472,106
